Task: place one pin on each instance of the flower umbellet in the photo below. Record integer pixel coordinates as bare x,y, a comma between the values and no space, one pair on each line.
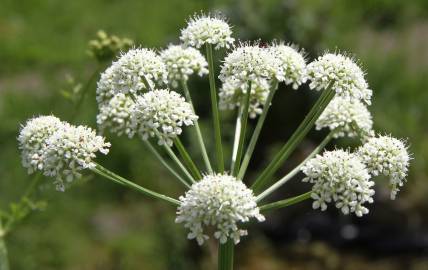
218,201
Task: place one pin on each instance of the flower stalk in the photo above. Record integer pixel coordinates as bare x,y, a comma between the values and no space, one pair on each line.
225,255
187,159
197,129
177,161
100,170
295,139
214,105
286,202
292,173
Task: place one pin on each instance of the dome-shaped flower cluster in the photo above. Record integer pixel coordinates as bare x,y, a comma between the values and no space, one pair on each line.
182,62
203,30
293,63
346,118
162,113
231,98
346,76
59,149
219,201
115,115
388,156
32,140
340,177
128,73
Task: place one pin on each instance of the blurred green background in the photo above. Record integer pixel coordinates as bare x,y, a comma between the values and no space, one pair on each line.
98,225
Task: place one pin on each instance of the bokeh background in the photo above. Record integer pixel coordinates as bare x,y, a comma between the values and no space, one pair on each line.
98,225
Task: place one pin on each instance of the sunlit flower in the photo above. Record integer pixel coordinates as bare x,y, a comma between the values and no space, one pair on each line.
340,177
128,74
388,156
162,114
182,62
202,29
343,73
115,115
221,202
293,63
346,118
32,140
69,150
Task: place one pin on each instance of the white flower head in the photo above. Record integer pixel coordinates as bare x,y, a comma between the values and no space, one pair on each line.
231,96
115,115
346,118
69,150
340,177
203,29
32,140
128,73
251,63
219,201
182,62
346,76
162,114
388,156
293,63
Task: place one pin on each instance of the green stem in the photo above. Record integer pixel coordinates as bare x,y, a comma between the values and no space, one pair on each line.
225,255
214,106
187,159
146,83
197,130
291,174
295,139
4,261
244,121
179,164
120,180
164,163
286,202
85,91
256,133
236,139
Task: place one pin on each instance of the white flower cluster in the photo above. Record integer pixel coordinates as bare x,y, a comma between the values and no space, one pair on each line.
203,30
245,64
346,118
388,156
293,63
161,114
231,98
32,140
58,148
116,115
127,74
345,75
340,177
182,62
219,201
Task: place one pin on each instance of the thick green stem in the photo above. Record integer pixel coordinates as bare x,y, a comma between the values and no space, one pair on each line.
187,159
256,133
197,129
291,174
214,106
244,119
120,180
295,139
177,161
225,255
286,202
4,261
164,163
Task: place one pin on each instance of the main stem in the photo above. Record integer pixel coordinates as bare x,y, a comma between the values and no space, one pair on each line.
4,261
214,106
197,129
256,133
225,255
295,139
